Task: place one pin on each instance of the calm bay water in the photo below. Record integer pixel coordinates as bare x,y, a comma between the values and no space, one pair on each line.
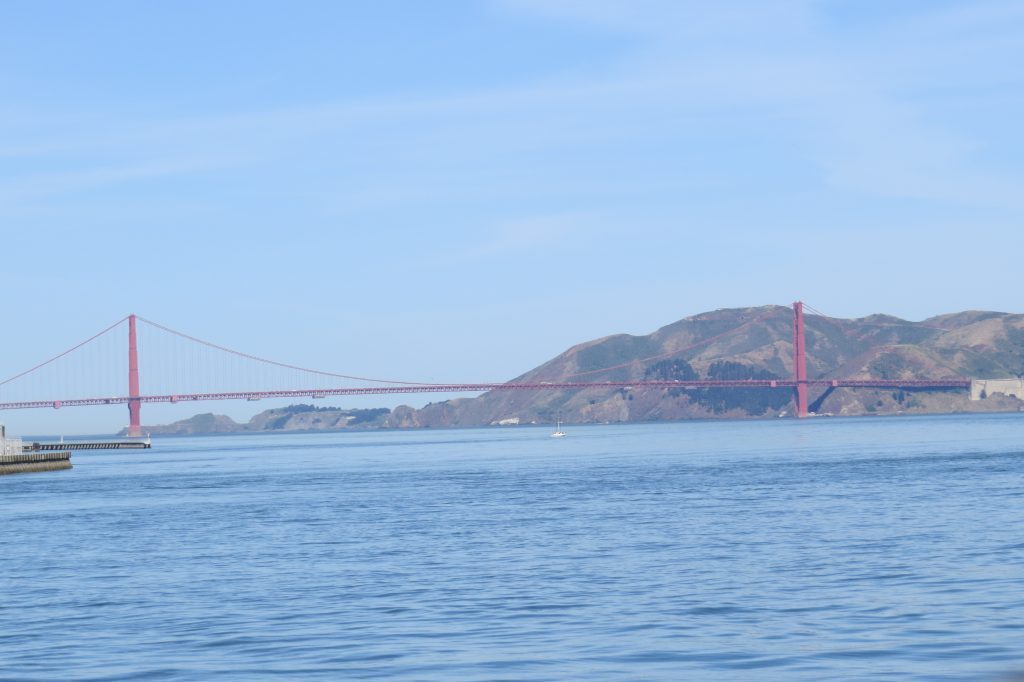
773,550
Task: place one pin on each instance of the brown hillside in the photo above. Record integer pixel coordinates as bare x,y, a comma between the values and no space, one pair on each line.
757,343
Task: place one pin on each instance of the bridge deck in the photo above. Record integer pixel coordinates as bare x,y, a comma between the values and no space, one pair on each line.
920,384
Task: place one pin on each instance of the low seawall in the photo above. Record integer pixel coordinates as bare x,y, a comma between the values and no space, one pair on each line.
34,461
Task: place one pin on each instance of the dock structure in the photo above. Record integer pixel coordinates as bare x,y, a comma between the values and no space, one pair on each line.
15,460
82,445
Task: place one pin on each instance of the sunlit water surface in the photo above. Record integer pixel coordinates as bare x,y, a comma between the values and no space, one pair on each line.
771,550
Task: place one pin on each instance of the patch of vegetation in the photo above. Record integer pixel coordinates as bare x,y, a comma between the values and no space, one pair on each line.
302,407
671,370
368,415
753,401
888,366
984,364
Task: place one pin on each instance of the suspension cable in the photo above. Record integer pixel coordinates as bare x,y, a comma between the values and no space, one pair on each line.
70,350
280,364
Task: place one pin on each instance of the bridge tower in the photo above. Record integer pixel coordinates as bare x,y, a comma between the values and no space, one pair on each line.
799,359
134,404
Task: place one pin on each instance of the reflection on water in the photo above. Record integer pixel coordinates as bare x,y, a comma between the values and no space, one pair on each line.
825,549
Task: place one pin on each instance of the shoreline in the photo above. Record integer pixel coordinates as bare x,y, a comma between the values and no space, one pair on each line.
698,420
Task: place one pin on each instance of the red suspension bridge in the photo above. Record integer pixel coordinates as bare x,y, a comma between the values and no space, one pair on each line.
178,360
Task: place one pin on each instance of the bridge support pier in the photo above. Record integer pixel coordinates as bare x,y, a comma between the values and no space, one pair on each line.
134,404
799,360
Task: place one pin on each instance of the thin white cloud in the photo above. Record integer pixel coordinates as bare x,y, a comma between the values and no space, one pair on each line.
670,18
867,132
528,236
42,185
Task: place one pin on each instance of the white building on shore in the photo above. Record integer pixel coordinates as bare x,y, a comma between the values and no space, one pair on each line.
9,446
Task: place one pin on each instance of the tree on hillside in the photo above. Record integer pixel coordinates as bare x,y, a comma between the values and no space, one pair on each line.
671,370
753,401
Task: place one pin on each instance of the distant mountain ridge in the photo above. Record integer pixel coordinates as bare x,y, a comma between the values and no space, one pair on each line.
736,343
756,342
291,418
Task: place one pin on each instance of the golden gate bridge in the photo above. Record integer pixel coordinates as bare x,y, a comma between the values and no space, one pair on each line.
172,369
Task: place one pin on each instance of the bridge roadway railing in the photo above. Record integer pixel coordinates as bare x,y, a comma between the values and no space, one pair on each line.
920,384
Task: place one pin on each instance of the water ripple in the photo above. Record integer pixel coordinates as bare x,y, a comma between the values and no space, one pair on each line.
831,550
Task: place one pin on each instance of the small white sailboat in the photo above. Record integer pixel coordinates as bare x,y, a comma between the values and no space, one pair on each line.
558,433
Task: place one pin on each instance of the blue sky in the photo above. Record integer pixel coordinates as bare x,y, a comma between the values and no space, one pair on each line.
457,191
